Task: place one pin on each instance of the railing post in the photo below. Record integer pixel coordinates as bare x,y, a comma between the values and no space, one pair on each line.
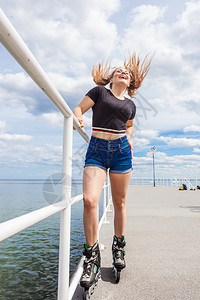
65,221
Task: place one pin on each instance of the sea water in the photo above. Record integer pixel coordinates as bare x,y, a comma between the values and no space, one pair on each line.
29,260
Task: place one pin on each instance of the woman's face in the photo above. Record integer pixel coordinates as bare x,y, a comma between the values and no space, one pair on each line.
121,76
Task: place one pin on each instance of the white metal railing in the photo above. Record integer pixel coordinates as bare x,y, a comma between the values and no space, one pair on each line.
170,181
18,49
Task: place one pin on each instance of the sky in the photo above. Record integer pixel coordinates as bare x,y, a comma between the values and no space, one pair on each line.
68,38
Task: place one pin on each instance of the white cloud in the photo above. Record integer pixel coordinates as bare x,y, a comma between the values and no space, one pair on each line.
71,86
180,142
66,31
167,166
54,119
15,137
147,14
2,126
172,77
147,133
161,156
18,81
144,34
188,25
18,90
68,37
192,128
140,143
27,155
197,150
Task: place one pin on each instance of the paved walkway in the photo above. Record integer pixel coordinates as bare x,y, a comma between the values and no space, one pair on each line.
163,247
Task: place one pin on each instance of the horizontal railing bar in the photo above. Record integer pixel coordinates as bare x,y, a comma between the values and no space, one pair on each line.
12,41
76,199
14,226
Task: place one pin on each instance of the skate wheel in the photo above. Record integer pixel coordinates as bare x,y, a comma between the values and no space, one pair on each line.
99,275
92,289
118,276
86,295
97,279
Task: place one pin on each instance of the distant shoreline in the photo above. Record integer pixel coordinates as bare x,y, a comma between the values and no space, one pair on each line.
37,180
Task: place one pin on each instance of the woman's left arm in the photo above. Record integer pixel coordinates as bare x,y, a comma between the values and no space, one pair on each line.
129,132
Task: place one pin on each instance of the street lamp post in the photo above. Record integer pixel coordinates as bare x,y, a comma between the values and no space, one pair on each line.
153,150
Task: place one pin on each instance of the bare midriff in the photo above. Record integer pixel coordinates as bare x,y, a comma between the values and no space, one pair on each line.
107,136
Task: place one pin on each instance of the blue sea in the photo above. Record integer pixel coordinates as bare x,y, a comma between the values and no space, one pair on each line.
29,260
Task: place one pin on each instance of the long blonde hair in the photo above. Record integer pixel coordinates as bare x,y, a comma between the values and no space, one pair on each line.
138,71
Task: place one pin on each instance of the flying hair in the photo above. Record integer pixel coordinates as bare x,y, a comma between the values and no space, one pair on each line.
137,69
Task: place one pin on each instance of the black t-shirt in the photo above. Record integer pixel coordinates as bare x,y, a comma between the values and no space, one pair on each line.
110,114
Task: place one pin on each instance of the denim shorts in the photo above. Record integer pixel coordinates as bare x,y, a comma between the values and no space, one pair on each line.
109,154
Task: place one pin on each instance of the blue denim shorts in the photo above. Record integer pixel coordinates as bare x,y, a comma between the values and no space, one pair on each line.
109,154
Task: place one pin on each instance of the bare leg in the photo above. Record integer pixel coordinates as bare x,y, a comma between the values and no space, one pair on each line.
119,187
93,181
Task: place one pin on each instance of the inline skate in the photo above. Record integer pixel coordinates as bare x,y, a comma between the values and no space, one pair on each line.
91,270
118,256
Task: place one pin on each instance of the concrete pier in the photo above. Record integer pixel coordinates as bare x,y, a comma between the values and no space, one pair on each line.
163,247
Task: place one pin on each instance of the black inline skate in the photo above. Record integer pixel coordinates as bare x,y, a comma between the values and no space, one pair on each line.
118,256
91,269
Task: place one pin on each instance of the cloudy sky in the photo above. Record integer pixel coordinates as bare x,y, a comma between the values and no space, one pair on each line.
67,38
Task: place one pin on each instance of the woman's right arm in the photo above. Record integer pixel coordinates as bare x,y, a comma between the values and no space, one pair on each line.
80,109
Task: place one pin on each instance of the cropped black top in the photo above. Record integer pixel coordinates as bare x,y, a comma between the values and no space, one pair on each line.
110,114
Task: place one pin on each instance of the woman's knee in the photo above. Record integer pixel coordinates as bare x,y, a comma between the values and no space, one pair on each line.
90,202
119,204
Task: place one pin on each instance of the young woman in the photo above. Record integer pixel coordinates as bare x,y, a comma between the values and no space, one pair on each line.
110,149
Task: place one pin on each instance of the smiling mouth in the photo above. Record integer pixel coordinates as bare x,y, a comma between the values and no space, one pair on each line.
123,77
